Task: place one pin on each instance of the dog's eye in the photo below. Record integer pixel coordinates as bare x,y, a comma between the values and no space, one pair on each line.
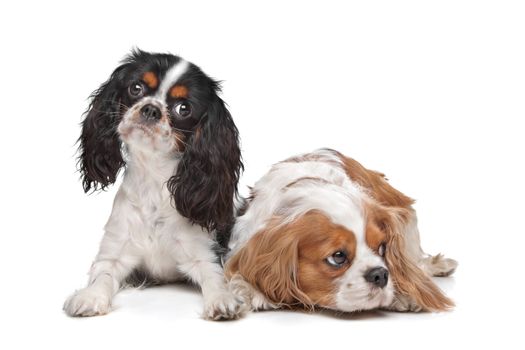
182,110
337,259
136,89
382,249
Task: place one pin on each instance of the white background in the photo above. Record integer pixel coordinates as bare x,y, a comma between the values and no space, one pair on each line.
431,93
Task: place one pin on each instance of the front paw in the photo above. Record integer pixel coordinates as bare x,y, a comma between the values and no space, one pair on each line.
224,306
403,303
254,298
87,302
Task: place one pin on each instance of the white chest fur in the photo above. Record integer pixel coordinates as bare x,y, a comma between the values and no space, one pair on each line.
146,224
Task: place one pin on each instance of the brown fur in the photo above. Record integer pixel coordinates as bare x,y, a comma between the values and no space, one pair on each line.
374,236
320,238
390,212
408,278
287,262
376,183
179,91
150,79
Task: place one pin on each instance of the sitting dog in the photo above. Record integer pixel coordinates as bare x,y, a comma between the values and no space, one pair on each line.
159,117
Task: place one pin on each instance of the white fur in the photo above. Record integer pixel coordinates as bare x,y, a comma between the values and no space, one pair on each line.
354,292
171,77
336,196
271,195
145,231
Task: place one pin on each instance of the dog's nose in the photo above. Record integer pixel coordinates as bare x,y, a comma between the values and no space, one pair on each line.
150,112
378,276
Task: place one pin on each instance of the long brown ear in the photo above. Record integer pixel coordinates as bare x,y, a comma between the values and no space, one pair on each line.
269,263
376,183
409,279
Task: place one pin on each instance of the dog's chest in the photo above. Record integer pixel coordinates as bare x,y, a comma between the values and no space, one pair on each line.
155,210
158,232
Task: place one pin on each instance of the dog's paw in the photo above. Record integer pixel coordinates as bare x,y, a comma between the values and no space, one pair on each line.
260,303
439,266
402,303
87,302
224,306
255,299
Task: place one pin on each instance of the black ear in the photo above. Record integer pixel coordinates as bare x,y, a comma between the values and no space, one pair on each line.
205,183
100,158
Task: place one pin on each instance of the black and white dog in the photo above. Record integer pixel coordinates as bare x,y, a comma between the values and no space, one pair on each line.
159,117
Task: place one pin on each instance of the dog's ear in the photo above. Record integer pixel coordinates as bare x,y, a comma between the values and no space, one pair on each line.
269,262
205,184
100,157
409,279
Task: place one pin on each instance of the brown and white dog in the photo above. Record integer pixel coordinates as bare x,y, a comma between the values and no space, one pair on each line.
322,230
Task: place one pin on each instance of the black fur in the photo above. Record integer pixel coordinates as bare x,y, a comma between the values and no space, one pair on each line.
205,182
100,158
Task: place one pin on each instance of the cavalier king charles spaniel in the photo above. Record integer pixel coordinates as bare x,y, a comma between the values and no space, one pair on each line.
320,230
160,119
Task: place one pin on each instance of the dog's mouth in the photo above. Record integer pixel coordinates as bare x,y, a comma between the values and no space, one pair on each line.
364,297
150,129
144,128
125,129
379,297
373,293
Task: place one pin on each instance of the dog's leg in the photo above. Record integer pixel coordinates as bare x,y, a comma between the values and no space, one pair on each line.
105,280
199,263
116,259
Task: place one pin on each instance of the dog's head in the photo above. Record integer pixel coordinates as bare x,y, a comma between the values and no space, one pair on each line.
333,238
159,105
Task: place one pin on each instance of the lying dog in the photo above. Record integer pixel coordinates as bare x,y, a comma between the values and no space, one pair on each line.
322,230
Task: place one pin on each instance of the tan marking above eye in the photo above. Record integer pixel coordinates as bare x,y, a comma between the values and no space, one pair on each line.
150,79
374,236
179,91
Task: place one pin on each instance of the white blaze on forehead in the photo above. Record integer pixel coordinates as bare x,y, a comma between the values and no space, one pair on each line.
172,75
326,187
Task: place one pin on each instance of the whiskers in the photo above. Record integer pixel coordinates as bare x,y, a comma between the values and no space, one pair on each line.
142,127
122,119
361,297
180,139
